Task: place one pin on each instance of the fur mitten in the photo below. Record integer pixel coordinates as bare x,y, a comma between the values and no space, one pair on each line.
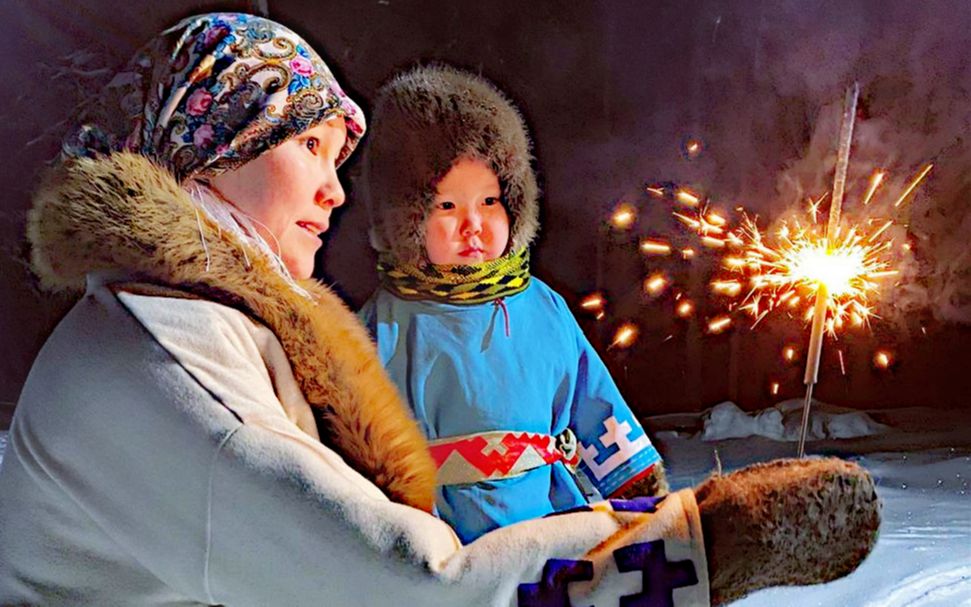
787,522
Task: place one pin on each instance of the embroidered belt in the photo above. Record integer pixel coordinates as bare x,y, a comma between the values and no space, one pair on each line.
471,458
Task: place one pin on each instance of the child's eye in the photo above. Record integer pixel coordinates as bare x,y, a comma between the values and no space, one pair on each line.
312,144
446,205
491,200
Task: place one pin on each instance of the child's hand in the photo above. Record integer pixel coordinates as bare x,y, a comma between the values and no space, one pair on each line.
654,484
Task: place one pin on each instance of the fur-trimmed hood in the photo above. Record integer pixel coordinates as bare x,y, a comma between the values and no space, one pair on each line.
424,120
123,212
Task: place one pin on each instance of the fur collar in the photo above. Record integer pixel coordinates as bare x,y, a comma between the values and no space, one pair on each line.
123,212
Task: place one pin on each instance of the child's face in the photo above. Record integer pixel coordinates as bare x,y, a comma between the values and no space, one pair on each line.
468,223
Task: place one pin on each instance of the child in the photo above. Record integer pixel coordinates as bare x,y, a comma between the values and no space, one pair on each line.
522,416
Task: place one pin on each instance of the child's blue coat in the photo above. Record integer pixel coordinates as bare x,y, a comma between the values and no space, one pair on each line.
462,375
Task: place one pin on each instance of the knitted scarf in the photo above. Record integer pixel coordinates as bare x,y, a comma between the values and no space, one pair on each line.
457,284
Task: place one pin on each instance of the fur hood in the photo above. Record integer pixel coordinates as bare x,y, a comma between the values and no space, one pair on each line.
424,120
123,212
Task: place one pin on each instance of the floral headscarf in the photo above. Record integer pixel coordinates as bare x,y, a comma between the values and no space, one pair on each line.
213,93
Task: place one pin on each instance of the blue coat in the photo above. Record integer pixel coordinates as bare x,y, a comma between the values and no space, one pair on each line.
461,375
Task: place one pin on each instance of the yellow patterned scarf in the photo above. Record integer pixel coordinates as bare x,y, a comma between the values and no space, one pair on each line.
457,284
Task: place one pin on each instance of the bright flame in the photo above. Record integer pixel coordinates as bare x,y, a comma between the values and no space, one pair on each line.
836,269
882,359
623,216
685,308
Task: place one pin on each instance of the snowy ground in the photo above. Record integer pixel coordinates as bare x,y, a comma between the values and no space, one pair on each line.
921,460
923,554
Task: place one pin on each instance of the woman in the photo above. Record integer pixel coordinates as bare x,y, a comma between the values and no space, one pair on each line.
207,426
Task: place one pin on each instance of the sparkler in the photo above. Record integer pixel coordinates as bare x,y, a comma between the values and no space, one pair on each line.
822,287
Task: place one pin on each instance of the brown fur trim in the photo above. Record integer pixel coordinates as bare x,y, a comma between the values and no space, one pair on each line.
425,120
123,212
787,522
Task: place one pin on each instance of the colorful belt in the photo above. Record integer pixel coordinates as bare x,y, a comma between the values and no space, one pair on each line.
471,458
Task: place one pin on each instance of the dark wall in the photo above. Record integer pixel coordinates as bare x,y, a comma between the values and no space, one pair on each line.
611,91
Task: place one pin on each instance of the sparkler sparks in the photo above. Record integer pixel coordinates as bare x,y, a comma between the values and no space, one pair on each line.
719,324
794,263
882,359
625,336
686,197
913,184
655,284
623,216
655,247
594,302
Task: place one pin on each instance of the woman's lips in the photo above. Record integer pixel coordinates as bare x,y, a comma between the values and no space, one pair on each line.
313,228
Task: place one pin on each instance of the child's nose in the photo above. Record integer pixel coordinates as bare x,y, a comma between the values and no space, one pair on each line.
471,223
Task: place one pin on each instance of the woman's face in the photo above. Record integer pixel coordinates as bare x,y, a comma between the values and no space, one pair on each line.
290,192
468,223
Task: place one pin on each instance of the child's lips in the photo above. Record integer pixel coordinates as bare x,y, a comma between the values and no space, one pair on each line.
471,251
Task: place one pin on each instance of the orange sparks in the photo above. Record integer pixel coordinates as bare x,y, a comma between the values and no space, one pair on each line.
715,219
685,197
789,353
655,284
712,242
731,288
685,308
600,315
623,216
687,253
774,388
882,359
655,247
842,364
719,324
693,148
875,182
594,301
659,192
913,184
624,336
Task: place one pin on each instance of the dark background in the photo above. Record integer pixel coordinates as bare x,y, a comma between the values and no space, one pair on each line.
611,91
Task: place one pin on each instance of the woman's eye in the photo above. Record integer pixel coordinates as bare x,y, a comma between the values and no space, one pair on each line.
312,144
446,205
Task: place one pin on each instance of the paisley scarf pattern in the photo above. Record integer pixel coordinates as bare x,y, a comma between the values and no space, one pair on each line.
212,93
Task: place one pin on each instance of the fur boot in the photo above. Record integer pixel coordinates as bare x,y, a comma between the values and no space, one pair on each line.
787,522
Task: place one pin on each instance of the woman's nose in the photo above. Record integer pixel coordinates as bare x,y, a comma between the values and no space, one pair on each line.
330,193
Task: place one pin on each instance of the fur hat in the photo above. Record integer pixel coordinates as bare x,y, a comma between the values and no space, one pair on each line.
424,120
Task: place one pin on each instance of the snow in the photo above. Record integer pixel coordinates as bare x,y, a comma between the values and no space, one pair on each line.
920,459
784,421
